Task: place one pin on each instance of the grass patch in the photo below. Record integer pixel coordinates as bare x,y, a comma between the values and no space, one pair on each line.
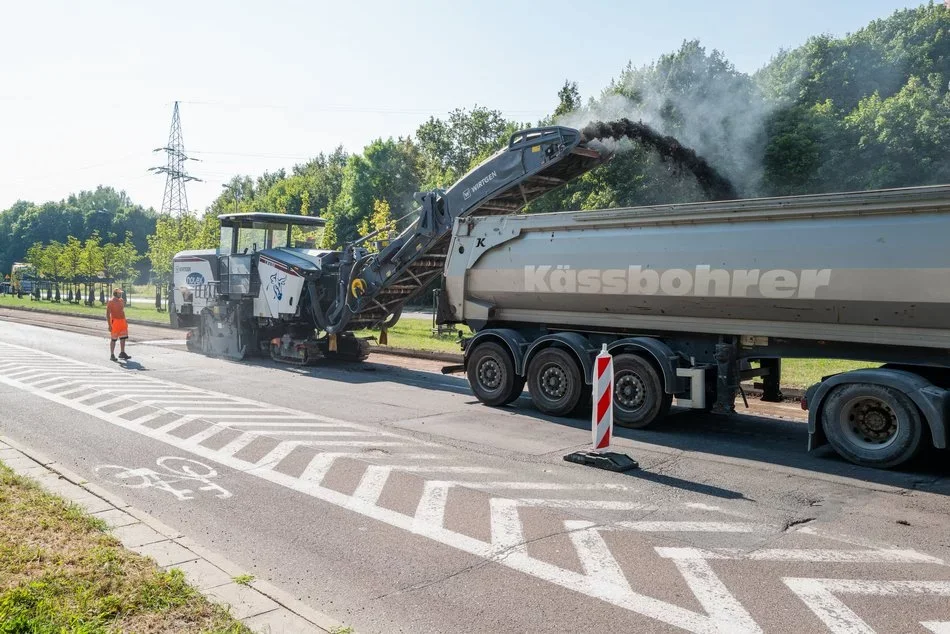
416,334
144,312
60,572
803,373
244,580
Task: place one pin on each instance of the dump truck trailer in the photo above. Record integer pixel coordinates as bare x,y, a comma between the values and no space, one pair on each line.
693,299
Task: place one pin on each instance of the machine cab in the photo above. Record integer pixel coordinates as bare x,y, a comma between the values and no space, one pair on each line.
245,235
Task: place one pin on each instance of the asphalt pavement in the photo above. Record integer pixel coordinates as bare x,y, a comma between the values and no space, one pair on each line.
383,494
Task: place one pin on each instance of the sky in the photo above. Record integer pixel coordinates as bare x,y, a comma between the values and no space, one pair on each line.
87,88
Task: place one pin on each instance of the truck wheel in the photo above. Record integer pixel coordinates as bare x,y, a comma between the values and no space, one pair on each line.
491,374
555,381
872,425
639,398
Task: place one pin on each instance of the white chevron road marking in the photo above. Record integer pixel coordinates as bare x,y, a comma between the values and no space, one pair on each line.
601,578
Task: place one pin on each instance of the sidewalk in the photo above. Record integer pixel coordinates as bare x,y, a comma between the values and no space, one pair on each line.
259,605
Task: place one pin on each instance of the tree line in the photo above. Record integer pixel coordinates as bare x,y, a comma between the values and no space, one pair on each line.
78,266
867,110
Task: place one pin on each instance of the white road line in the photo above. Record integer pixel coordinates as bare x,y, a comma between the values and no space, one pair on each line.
318,467
144,419
817,555
507,545
179,422
112,401
818,595
431,507
22,373
506,531
205,434
238,444
937,627
371,484
594,555
713,595
516,559
126,410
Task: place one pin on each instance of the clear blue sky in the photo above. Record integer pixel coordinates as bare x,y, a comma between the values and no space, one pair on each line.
86,88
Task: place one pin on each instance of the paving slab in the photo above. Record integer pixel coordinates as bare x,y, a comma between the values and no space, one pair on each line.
243,601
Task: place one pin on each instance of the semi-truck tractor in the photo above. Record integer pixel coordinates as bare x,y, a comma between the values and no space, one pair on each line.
690,299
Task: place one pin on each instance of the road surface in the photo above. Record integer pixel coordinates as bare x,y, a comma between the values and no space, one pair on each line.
388,497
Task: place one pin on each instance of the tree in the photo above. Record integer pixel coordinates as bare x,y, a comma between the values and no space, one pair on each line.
569,99
381,220
449,147
171,236
71,261
387,170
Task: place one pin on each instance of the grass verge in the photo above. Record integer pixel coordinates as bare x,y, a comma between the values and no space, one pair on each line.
144,312
61,572
416,334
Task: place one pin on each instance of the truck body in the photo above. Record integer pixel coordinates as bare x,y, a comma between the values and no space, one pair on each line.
691,299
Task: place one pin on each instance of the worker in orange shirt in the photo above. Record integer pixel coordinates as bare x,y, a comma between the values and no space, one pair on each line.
118,326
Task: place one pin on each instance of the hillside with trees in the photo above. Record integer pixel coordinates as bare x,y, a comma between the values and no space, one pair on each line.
867,110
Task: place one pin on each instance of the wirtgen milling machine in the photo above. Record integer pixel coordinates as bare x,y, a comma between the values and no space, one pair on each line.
258,294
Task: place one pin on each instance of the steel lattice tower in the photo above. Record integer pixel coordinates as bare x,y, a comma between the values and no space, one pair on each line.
175,201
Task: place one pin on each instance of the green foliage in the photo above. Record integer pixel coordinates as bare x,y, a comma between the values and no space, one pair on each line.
109,212
381,221
173,235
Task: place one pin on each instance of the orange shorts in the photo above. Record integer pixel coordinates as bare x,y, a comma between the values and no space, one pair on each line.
119,328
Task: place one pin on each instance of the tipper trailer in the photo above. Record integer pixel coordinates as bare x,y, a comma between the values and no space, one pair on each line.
692,299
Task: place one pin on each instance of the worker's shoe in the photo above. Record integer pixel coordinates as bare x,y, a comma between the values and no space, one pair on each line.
124,356
112,357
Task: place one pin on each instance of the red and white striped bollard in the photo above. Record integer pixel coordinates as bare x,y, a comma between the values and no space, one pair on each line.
602,416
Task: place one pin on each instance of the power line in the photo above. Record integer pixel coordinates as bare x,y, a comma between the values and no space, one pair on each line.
175,200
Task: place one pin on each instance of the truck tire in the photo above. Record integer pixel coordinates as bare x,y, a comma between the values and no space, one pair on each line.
492,376
639,397
555,382
872,425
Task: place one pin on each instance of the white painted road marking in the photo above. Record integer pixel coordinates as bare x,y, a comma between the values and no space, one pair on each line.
819,596
176,471
601,578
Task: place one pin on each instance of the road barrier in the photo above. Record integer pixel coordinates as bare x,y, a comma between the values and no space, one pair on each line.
602,421
602,412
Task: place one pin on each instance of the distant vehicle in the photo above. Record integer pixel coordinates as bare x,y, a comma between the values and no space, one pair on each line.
23,277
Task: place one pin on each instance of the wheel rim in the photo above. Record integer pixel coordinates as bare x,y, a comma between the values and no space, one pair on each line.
553,381
491,374
869,423
629,391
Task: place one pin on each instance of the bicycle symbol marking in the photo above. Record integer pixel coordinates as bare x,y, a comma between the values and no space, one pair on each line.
177,474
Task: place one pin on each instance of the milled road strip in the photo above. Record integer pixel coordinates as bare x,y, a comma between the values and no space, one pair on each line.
56,379
259,605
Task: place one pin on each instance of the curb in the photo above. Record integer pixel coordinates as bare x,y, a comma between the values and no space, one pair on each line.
260,605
